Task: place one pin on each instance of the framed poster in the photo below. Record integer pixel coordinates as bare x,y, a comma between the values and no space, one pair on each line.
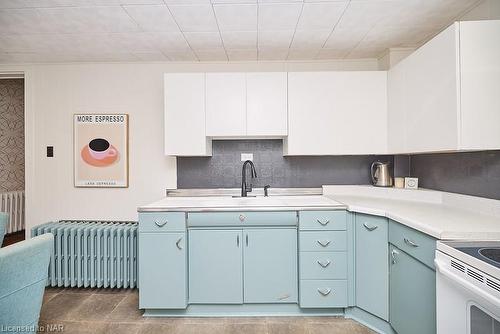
101,150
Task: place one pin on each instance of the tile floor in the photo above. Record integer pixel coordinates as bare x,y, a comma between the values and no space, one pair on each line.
115,311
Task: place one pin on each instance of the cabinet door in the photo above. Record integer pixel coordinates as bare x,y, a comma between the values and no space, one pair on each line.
432,94
226,104
337,113
215,267
267,104
270,265
162,270
480,85
185,115
412,294
372,268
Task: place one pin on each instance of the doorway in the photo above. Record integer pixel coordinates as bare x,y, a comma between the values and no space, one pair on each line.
12,155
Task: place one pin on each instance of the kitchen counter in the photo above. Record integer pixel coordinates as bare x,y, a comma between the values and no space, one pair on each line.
226,203
441,215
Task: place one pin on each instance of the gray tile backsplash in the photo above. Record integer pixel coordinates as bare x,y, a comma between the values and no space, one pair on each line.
223,169
470,173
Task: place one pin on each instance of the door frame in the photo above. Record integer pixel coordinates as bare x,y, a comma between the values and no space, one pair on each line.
26,72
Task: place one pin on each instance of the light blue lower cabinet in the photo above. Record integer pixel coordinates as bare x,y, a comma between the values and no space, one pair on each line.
372,265
270,265
412,294
215,266
322,241
323,293
162,270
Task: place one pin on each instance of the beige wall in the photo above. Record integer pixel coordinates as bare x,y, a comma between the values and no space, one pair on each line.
55,92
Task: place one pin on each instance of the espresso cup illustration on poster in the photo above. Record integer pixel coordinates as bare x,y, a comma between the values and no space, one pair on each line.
101,150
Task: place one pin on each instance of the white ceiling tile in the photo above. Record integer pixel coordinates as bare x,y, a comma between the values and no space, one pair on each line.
187,55
238,17
22,21
275,39
302,54
279,1
150,56
283,16
134,42
153,18
234,1
368,13
211,55
203,40
87,19
186,2
242,55
324,15
303,39
194,18
345,38
239,39
272,54
11,4
365,51
332,54
169,41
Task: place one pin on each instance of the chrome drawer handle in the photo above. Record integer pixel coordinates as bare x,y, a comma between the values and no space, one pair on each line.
370,227
325,292
323,243
410,242
283,297
178,243
242,218
324,264
323,224
161,224
393,256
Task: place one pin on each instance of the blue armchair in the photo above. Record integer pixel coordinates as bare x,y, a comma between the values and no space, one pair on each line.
4,219
23,276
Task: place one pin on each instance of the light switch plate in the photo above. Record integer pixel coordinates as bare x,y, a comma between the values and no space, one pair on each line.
246,156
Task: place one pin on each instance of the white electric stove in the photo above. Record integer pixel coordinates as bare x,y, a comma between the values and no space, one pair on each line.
468,287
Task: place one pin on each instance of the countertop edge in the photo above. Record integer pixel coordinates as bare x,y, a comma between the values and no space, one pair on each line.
241,208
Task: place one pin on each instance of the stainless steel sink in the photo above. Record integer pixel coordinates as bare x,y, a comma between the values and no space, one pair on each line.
492,254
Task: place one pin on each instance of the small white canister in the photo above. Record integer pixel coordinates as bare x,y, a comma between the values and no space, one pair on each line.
411,182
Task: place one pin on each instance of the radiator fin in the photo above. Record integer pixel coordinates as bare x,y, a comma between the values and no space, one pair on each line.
100,254
12,202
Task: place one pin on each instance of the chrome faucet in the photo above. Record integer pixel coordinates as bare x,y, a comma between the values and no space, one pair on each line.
244,187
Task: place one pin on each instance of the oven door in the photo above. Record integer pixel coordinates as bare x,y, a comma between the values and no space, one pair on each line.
464,305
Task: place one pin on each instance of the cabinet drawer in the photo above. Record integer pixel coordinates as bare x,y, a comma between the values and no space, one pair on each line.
323,293
323,265
323,220
162,221
310,241
415,243
277,218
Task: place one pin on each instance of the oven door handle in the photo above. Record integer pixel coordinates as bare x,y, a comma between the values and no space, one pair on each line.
440,266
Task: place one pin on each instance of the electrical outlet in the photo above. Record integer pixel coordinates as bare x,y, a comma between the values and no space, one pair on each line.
246,156
50,151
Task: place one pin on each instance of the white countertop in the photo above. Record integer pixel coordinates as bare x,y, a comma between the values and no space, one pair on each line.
438,220
226,203
442,215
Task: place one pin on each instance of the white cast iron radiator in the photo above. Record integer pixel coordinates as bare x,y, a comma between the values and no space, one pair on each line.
99,254
12,202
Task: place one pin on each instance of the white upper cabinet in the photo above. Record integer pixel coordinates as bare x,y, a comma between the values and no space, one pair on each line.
480,84
267,104
226,104
185,115
335,113
446,95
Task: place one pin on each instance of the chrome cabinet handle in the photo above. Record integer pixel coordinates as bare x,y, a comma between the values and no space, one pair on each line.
178,243
246,239
242,218
370,227
238,240
283,297
325,292
393,256
324,264
410,242
323,243
323,224
161,224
